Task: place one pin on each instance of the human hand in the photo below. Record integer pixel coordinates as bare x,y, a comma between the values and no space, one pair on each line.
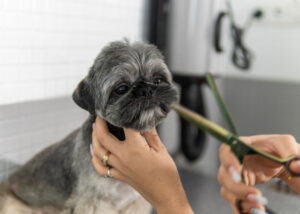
256,170
147,167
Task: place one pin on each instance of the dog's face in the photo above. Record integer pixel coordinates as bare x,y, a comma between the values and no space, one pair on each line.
129,86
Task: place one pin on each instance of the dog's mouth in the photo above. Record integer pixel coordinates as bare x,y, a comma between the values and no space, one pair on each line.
154,104
148,115
155,110
141,114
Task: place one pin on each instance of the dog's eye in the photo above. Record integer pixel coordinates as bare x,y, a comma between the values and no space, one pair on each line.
157,81
122,89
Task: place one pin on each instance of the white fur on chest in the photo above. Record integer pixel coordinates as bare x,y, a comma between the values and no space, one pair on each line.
115,192
105,195
93,193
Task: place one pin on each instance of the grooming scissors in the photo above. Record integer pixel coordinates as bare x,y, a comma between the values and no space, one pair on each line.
239,148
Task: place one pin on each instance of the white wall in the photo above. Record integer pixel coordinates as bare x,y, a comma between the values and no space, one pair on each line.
274,40
275,43
27,128
189,36
47,46
265,99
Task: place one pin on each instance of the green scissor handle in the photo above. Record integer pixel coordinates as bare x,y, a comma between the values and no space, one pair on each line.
287,166
211,82
239,147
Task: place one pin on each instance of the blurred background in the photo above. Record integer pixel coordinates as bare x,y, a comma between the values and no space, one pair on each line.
252,48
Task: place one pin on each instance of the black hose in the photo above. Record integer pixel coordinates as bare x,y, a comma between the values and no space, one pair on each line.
192,139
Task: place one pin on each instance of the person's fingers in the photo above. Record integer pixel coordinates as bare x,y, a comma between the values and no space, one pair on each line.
234,208
285,145
112,160
131,133
229,160
153,140
261,138
98,149
227,195
103,170
102,125
104,137
295,166
238,189
247,206
253,138
279,145
249,177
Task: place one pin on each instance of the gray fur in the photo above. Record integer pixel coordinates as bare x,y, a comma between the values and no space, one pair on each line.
121,61
62,176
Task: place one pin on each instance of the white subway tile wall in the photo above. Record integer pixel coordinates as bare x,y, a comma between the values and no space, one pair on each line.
27,128
47,46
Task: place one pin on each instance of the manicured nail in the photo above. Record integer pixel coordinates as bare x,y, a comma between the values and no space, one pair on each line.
257,211
91,150
234,175
257,199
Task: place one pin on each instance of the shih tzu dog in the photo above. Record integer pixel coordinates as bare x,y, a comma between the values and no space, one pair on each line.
129,86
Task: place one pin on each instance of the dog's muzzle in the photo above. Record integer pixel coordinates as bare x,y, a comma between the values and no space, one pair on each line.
142,90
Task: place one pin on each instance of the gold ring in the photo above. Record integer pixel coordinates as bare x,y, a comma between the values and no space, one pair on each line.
108,174
105,158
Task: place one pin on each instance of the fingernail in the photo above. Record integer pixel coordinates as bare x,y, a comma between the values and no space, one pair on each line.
235,175
93,126
91,150
257,211
257,199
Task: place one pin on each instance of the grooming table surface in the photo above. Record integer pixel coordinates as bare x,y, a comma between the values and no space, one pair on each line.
204,195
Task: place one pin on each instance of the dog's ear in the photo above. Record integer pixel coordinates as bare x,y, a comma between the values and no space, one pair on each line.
82,96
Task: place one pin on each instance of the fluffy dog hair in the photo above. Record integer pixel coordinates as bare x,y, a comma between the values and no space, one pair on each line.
129,86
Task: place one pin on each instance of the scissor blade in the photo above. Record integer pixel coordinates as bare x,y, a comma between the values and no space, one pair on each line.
202,123
240,148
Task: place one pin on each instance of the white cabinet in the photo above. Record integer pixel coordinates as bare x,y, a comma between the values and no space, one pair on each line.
190,36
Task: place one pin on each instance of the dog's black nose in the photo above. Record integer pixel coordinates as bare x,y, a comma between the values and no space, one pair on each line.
142,90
